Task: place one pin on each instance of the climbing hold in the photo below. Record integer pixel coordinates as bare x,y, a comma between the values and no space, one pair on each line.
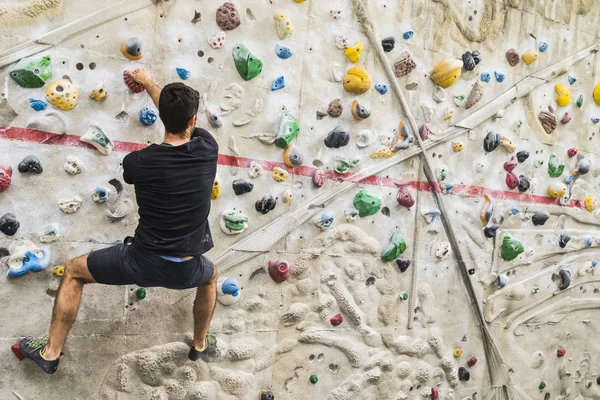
270,395
279,270
439,96
279,174
524,183
341,42
335,108
213,119
247,64
548,121
383,152
405,64
324,221
565,279
595,120
70,206
62,94
318,178
485,77
543,46
336,320
511,248
5,177
510,164
395,248
431,216
441,172
457,353
367,203
499,76
216,190
337,138
408,34
580,101
424,131
351,215
446,73
233,223
571,79
353,52
278,84
148,116
563,240
97,138
443,250
381,88
459,100
530,56
522,156
141,293
99,93
491,141
404,138
512,57
359,112
463,374
31,164
313,379
100,194
404,197
542,385
216,41
590,202
365,137
132,49
50,234
596,94
471,361
471,59
572,152
335,14
131,83
37,105
241,186
32,74
540,218
228,17
58,271
457,146
266,204
566,118
9,225
555,166
287,130
27,257
183,73
357,81
582,167
73,165
344,165
388,44
560,352
511,180
402,264
434,394
287,196
508,144
228,291
283,26
556,189
563,95
292,156
283,52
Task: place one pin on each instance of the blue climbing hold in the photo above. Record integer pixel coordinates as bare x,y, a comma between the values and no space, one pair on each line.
543,46
447,188
595,120
148,116
408,34
485,77
278,83
501,281
231,286
283,52
183,73
514,211
37,105
381,88
572,79
569,179
34,261
594,262
589,242
101,193
499,76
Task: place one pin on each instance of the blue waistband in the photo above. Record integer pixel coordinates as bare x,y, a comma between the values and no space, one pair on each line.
173,259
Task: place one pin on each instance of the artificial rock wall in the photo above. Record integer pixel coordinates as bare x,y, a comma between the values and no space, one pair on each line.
518,315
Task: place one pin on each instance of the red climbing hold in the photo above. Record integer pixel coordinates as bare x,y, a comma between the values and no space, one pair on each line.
511,180
560,352
16,348
510,165
279,270
336,319
434,394
572,152
471,361
5,177
131,83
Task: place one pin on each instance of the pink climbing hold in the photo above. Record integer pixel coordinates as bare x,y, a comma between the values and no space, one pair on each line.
510,165
131,83
279,270
471,361
319,178
424,131
572,152
511,180
560,352
404,197
336,319
5,177
434,394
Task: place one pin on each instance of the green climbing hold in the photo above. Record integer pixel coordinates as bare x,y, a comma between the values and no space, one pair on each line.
555,166
511,248
141,293
235,221
287,130
314,379
32,73
588,383
542,385
404,296
580,101
248,65
367,203
396,247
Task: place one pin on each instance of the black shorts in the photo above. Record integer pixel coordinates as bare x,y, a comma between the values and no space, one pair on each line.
130,264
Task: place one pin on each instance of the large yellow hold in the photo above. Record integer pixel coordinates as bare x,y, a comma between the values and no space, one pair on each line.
357,80
597,94
529,57
563,95
62,94
446,73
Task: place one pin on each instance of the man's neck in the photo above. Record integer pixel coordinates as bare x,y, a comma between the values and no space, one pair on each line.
176,140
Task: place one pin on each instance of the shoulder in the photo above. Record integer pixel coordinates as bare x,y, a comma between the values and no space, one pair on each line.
202,137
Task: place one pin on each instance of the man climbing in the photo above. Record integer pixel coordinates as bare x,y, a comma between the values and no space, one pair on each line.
173,182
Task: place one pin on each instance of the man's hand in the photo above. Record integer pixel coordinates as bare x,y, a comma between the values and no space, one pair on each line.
141,76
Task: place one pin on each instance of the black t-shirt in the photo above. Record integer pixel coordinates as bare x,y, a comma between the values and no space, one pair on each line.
173,187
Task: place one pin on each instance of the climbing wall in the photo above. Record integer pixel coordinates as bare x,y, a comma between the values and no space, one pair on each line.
405,199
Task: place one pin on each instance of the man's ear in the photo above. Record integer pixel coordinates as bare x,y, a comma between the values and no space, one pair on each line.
192,121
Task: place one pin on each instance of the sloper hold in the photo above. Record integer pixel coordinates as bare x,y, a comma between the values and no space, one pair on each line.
283,52
9,225
227,17
367,203
357,80
31,73
287,130
97,138
246,63
132,49
283,26
31,164
337,138
241,186
395,248
266,204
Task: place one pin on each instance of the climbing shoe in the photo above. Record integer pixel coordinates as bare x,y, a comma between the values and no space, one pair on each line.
33,348
209,349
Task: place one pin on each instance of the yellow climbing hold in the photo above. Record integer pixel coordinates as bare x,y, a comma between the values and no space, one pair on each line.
563,95
557,189
457,353
529,56
216,190
58,271
597,94
590,202
283,26
62,94
383,152
353,52
357,80
446,73
457,146
508,144
279,174
299,1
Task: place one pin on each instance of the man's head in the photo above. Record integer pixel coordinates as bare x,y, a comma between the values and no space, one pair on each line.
177,106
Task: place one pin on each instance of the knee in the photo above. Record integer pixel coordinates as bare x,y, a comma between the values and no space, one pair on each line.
75,269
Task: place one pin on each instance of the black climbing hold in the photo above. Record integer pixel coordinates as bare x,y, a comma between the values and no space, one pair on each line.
337,138
31,164
540,218
9,224
463,374
266,204
470,60
523,184
267,396
598,380
490,231
491,142
522,156
197,17
565,279
563,240
403,264
388,44
241,186
472,271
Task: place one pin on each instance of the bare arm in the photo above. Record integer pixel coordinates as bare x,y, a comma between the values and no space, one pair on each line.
141,76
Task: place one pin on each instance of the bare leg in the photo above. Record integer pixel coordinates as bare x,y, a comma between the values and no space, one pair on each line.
204,306
67,304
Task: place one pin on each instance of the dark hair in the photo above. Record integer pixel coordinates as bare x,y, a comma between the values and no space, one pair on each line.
176,105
